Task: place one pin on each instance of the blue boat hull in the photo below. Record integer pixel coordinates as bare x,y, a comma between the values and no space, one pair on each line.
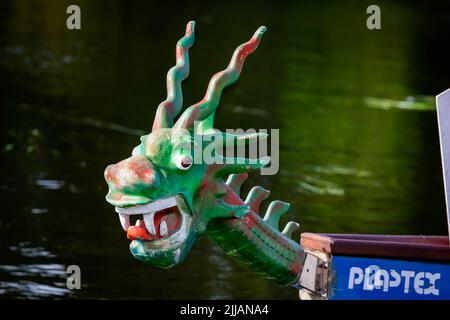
388,279
365,266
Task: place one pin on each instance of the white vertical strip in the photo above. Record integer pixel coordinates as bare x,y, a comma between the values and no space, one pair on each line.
443,114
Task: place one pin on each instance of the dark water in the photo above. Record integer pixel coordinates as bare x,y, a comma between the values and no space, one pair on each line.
354,107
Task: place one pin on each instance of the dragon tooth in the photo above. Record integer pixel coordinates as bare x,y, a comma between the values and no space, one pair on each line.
163,230
124,221
149,222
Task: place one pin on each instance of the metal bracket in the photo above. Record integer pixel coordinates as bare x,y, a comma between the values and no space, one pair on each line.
314,276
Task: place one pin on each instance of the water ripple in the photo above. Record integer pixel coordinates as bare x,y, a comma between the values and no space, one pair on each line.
419,103
32,289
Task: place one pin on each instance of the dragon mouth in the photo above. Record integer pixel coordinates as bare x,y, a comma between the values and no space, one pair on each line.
164,222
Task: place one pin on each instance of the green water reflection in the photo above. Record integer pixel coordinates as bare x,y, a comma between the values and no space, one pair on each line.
355,109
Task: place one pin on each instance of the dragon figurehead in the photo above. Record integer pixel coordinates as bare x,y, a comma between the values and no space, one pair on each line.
180,199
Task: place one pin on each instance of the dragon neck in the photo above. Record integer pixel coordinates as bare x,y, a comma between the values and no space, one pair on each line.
252,241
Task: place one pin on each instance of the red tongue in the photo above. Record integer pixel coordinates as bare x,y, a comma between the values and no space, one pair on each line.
172,220
141,233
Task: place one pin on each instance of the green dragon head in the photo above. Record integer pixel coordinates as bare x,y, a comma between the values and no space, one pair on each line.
177,196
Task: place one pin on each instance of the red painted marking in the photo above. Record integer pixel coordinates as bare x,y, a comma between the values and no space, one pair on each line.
148,176
232,197
250,222
140,167
295,267
179,52
117,196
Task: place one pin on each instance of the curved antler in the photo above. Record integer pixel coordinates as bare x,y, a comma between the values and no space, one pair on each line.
207,106
169,108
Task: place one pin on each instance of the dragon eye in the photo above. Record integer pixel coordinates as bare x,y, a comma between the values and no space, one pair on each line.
184,163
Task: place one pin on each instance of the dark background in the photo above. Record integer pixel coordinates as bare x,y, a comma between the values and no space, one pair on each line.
355,109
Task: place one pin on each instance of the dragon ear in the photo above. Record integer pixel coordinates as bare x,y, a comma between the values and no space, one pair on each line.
226,139
169,108
204,110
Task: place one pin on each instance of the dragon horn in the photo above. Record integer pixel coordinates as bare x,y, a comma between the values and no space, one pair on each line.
238,165
169,108
208,105
231,139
